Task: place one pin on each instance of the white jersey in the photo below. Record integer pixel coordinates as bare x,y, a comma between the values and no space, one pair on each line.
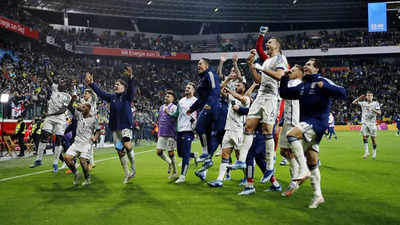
58,100
368,116
269,85
291,110
183,123
331,121
85,128
235,121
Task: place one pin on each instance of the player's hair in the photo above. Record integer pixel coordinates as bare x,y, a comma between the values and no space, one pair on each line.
370,92
88,105
299,67
277,39
192,84
170,92
317,63
123,83
206,60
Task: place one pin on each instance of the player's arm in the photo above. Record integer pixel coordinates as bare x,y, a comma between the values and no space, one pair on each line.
222,59
235,59
242,98
102,94
287,92
377,110
251,89
131,87
250,62
332,89
355,102
277,75
259,45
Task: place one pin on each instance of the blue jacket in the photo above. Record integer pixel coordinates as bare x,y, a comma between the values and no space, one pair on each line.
208,91
315,102
121,116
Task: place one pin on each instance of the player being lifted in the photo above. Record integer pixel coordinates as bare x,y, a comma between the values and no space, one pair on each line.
369,110
263,110
233,137
55,120
167,133
87,132
314,94
120,120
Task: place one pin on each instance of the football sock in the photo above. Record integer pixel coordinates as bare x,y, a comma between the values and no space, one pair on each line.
164,157
270,153
298,151
57,154
247,142
316,181
124,164
222,169
173,161
41,149
131,157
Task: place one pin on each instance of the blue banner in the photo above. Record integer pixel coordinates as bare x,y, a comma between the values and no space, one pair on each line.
377,19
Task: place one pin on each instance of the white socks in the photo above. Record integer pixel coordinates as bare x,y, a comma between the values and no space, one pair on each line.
57,153
222,169
40,151
124,164
270,153
294,169
316,181
165,158
298,151
173,161
366,148
247,142
131,157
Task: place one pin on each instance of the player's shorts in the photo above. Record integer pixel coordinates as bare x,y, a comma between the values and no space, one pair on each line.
309,137
55,124
368,130
119,134
283,141
232,139
264,108
79,148
166,143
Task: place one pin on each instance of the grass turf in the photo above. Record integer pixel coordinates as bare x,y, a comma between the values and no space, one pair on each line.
356,191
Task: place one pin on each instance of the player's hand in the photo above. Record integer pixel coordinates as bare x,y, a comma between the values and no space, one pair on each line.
253,51
128,71
264,30
225,90
166,110
250,59
222,58
235,59
235,107
88,78
320,84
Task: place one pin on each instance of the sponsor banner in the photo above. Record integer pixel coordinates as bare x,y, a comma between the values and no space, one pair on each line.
136,53
18,28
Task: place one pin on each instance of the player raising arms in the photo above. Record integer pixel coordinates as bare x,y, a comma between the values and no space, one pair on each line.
314,94
263,110
54,122
120,120
369,110
87,132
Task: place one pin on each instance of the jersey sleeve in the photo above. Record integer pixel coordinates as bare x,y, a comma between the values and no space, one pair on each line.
377,106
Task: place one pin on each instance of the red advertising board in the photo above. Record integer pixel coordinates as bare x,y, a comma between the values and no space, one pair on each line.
139,53
18,28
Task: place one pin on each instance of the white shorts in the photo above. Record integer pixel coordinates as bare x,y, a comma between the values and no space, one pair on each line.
55,125
232,139
309,137
79,148
166,143
368,130
283,141
118,135
264,108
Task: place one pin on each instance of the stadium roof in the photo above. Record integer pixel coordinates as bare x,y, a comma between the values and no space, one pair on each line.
259,11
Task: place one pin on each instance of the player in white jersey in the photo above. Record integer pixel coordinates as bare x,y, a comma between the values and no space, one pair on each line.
185,126
89,97
263,110
331,126
233,136
291,118
54,122
369,110
87,131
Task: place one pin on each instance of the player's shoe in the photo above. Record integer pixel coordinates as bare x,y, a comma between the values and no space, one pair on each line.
201,175
283,162
316,201
55,168
291,189
216,183
248,191
243,182
207,164
267,176
76,178
181,179
174,175
273,188
86,182
202,158
36,164
63,166
374,154
93,165
365,155
228,177
302,177
237,165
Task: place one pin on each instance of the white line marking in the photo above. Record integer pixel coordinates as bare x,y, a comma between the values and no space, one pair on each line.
46,171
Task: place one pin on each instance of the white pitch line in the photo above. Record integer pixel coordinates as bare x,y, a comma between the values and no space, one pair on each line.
45,171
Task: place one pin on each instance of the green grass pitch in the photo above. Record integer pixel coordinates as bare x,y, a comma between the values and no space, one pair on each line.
356,191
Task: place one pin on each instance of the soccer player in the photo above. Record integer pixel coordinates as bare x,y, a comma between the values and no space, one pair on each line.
120,120
89,97
167,133
397,120
208,102
291,119
314,94
87,132
369,110
54,121
233,128
263,110
331,129
185,133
